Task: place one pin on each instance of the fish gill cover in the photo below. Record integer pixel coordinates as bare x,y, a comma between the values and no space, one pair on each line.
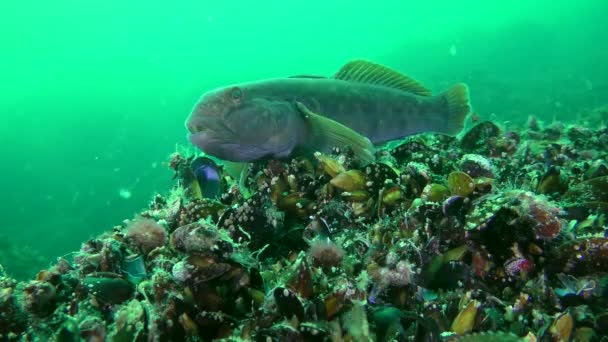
495,234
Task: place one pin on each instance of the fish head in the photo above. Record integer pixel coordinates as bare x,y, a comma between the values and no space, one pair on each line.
238,124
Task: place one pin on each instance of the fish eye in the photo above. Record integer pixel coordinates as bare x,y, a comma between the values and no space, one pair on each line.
236,93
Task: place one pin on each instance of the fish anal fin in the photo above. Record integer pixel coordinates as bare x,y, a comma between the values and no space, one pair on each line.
327,133
458,107
372,73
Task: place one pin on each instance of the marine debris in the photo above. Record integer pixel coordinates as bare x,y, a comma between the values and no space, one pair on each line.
494,236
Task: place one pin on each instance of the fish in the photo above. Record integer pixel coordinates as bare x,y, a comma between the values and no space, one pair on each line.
365,104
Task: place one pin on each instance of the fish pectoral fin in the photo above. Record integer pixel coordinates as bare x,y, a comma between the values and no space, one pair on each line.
243,175
327,133
234,169
372,73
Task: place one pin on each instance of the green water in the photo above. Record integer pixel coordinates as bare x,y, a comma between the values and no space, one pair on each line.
94,94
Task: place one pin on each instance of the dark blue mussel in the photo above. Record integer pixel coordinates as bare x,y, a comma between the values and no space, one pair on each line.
208,176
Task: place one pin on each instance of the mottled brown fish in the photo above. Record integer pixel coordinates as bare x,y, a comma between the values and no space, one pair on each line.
362,105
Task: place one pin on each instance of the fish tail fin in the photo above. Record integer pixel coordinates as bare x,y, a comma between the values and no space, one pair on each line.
459,106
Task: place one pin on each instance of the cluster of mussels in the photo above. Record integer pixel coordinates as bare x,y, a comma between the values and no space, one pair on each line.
494,236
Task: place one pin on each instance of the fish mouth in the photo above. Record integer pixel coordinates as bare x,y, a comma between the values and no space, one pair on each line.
212,144
198,125
204,141
194,128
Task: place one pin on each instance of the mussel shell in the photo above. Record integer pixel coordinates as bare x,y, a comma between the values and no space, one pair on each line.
377,175
435,192
477,136
596,169
579,133
592,190
476,166
279,333
551,182
134,267
109,290
404,151
314,331
415,178
460,183
130,323
199,237
213,325
318,226
501,229
455,206
40,298
248,221
350,180
288,303
580,257
208,176
581,211
198,209
68,331
445,275
301,281
601,323
203,269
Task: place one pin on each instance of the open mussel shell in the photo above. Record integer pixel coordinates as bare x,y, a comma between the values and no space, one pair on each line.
208,178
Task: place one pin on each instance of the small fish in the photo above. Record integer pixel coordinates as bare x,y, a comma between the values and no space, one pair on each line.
363,105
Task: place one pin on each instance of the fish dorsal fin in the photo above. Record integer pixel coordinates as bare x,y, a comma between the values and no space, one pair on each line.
306,76
372,73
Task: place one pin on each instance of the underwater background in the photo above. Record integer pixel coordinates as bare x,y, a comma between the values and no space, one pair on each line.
94,94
